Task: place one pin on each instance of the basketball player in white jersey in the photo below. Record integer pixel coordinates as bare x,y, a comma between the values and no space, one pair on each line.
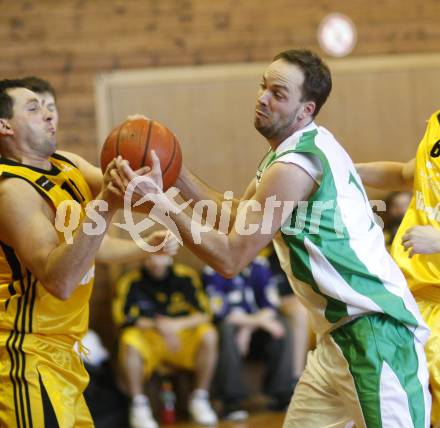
369,365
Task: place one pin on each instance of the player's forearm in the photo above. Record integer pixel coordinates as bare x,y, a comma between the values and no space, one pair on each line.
193,188
118,250
385,175
215,249
68,263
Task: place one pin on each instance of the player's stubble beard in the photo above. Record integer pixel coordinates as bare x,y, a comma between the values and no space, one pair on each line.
275,129
47,146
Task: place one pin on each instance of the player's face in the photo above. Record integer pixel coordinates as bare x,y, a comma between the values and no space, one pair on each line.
157,265
32,124
48,103
279,107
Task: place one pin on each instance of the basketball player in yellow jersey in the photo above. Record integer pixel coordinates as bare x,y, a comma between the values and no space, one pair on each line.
416,247
45,282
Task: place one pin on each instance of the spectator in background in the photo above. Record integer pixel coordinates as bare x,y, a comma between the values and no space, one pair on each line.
397,204
245,308
163,314
294,311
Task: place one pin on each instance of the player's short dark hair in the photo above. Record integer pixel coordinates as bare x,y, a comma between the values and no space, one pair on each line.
38,85
317,77
6,101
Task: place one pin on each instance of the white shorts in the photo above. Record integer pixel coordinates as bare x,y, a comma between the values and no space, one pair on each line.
371,371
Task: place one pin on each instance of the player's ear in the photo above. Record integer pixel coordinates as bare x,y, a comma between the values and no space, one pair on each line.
5,128
308,108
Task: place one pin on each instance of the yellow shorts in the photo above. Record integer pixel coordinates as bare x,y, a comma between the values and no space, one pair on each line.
430,311
154,351
42,380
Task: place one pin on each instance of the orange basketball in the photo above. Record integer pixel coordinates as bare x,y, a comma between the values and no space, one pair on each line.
135,138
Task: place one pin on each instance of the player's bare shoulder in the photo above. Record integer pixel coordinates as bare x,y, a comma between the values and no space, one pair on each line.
277,180
71,157
16,189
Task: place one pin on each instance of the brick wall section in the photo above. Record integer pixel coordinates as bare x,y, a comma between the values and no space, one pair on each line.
70,41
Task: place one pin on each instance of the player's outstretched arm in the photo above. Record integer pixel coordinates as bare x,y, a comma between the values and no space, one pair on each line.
257,220
27,225
194,189
396,176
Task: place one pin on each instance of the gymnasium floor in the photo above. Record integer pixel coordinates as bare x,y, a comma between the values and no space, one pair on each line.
258,420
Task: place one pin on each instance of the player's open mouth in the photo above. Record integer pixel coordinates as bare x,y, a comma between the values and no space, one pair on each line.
260,113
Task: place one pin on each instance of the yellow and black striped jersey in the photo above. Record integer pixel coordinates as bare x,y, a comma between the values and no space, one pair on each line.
180,293
25,305
423,270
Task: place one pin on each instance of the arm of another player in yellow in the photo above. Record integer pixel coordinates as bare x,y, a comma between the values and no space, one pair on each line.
27,225
387,175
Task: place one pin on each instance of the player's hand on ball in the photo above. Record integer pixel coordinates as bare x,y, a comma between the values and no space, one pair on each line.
112,191
147,182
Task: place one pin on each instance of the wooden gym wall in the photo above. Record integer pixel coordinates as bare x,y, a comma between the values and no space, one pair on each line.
70,41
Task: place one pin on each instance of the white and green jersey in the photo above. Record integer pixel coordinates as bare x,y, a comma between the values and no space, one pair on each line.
331,248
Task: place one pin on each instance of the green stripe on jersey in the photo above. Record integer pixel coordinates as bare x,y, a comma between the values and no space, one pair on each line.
320,216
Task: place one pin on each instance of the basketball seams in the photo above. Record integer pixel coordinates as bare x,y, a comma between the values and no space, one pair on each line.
171,157
133,140
117,141
144,157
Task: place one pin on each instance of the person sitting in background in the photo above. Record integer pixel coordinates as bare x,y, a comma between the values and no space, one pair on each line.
294,311
163,313
245,309
397,204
